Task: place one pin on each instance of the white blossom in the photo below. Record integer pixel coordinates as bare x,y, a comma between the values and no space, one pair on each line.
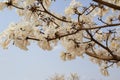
47,3
104,71
75,4
79,30
69,11
63,56
44,44
2,5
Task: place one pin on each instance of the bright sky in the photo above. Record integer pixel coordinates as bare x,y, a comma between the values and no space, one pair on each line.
37,64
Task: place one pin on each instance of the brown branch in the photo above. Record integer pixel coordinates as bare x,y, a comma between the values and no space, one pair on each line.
104,26
57,17
108,4
61,36
109,65
17,7
46,11
104,47
93,8
112,57
30,38
106,58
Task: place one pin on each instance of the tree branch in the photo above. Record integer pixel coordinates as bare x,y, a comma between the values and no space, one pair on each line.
108,4
46,11
103,26
104,47
17,7
107,58
61,36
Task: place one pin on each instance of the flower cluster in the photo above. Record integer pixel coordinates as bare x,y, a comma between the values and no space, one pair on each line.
71,9
72,76
92,30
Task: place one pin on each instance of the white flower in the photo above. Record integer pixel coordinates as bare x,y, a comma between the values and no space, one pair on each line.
44,44
23,30
87,18
5,43
69,11
70,56
104,71
63,56
28,2
15,1
22,44
99,36
69,45
114,44
47,3
20,12
118,64
79,51
102,11
50,32
7,35
2,5
110,18
74,76
75,4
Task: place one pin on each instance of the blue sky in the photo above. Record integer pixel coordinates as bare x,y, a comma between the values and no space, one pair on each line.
37,64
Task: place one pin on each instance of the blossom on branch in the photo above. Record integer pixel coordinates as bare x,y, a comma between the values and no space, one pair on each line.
91,30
